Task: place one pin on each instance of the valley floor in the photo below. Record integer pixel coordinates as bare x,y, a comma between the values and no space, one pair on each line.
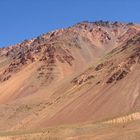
121,128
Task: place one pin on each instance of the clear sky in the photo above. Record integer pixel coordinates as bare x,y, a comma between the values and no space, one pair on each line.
25,19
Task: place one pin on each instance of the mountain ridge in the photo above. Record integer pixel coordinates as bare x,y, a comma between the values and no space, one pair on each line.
87,72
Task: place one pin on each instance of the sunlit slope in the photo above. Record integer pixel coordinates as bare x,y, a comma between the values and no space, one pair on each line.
87,72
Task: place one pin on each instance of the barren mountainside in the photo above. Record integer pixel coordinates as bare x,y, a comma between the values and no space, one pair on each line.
89,72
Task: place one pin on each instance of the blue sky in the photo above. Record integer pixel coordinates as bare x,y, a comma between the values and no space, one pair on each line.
25,19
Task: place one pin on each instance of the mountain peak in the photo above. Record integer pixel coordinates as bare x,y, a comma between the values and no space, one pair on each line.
89,71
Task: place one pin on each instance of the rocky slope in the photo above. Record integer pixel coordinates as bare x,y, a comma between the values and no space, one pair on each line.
87,72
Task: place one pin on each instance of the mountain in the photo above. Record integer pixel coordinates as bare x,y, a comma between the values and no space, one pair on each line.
87,74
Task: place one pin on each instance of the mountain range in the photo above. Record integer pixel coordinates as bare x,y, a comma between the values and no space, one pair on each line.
81,82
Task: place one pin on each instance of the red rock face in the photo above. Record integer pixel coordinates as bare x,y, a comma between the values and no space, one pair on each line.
48,47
